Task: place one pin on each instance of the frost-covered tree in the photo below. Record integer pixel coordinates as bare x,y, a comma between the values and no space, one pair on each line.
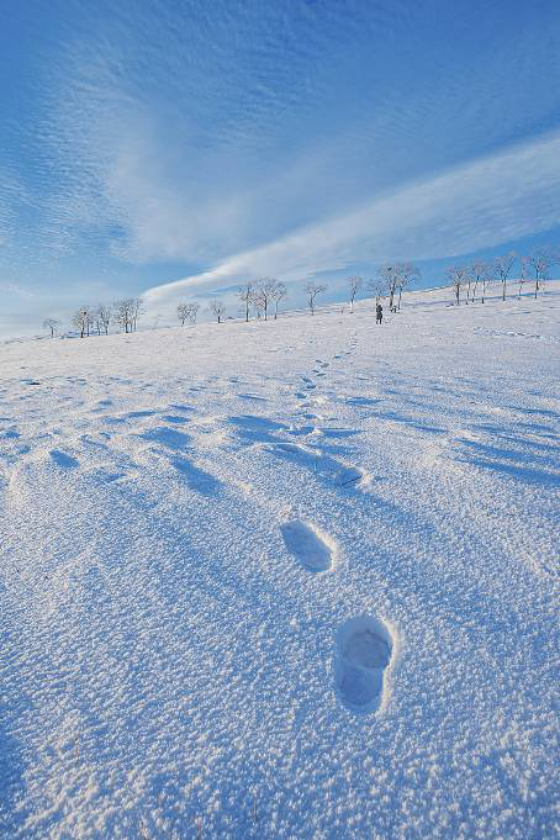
355,283
82,320
313,289
51,324
218,309
523,275
102,317
457,276
478,270
246,297
193,312
280,294
388,276
265,290
137,311
127,312
124,309
183,313
407,273
487,280
539,263
502,267
376,288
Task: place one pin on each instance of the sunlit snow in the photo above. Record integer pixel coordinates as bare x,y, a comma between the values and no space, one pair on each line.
295,579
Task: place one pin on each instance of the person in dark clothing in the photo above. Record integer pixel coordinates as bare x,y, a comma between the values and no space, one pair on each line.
378,314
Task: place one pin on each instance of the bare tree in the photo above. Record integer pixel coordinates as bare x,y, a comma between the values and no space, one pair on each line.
217,307
457,275
468,281
407,274
502,268
96,322
539,263
265,291
51,324
183,313
258,307
137,311
124,310
82,320
313,289
478,271
355,283
389,276
524,274
375,286
193,312
487,280
246,295
102,317
280,293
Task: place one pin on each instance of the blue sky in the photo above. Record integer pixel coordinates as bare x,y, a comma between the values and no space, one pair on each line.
175,148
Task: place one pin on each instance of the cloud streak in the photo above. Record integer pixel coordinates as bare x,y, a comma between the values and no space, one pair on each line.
226,140
490,201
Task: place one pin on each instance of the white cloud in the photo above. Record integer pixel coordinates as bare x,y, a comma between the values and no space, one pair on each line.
493,200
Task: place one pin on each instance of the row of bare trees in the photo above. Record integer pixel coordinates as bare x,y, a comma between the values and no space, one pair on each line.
187,312
88,320
260,298
481,274
391,280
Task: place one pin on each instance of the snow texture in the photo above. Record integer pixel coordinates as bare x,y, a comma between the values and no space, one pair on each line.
285,579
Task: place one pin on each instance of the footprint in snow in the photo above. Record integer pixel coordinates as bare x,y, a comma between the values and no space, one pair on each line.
139,415
170,438
196,478
62,460
174,418
364,653
341,474
312,549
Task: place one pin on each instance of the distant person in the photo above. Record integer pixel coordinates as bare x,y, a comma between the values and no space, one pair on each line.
378,314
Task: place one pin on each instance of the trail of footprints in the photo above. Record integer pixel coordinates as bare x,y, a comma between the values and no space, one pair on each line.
364,644
313,550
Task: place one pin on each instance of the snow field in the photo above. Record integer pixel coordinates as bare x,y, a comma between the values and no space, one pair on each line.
286,579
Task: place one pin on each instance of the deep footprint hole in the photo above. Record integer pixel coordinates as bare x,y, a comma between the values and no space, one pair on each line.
365,650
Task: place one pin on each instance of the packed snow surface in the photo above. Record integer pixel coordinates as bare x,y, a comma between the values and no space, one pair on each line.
295,579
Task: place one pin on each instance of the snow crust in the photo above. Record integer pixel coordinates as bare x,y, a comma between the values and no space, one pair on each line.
203,529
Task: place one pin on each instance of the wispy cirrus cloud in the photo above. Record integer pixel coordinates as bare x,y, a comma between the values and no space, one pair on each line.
192,133
493,200
220,140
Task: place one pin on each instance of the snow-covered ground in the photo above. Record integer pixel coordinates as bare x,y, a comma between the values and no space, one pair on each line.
287,580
